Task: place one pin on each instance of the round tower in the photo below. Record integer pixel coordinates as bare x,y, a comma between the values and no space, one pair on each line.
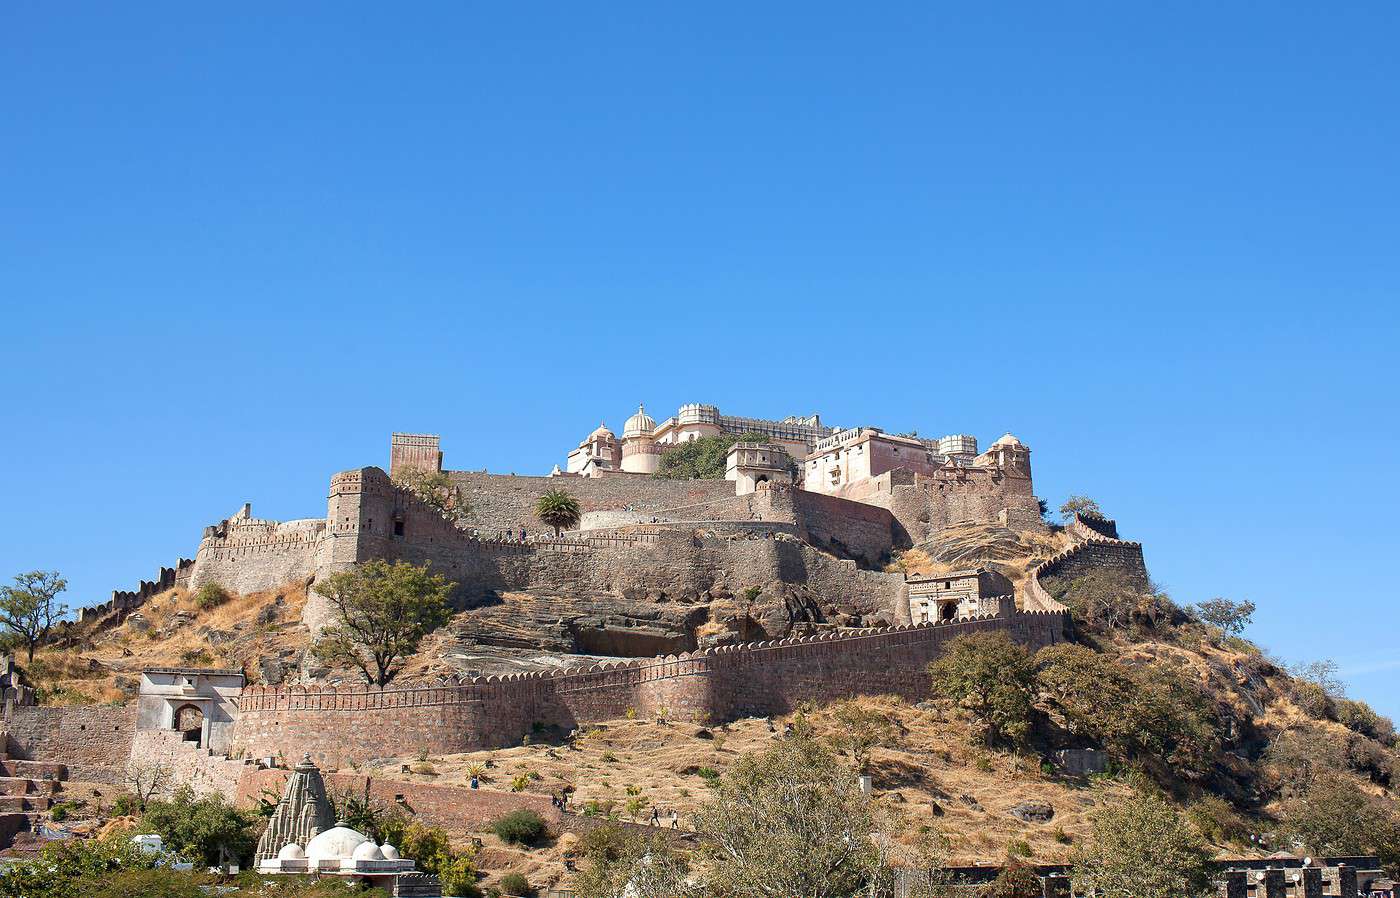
639,452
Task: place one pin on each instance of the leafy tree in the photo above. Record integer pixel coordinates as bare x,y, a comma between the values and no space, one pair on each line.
72,868
438,491
788,823
206,830
432,852
1297,757
30,608
858,729
992,677
1142,848
705,458
1230,617
620,865
1147,714
1335,817
1076,504
558,509
381,612
516,884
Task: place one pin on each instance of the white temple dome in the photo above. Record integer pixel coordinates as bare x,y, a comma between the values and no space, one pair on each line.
1007,439
601,431
335,844
368,851
389,851
291,852
640,424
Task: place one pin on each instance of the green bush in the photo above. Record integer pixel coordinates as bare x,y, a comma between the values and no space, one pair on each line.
704,459
516,884
210,595
1359,718
204,830
520,827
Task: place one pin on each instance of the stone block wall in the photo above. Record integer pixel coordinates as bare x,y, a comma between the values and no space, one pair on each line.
252,555
93,740
500,502
338,727
924,504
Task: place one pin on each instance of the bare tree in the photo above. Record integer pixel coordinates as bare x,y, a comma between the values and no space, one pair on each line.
147,779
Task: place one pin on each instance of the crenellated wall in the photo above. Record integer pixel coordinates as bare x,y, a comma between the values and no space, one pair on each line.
246,554
1093,553
94,741
355,725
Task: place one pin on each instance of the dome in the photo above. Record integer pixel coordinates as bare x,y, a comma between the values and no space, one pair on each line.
1007,439
601,431
389,851
335,844
640,424
368,851
291,852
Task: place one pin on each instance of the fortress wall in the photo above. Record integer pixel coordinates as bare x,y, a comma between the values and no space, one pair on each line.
1092,526
94,741
924,504
501,501
1092,554
257,555
341,726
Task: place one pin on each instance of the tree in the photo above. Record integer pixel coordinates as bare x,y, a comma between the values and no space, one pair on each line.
619,865
1230,617
1077,504
147,779
438,491
788,823
1146,714
30,608
706,457
858,729
207,830
558,509
1335,817
1141,847
381,612
993,678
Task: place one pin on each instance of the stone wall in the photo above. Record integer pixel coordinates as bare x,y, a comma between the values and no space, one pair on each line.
1092,554
500,502
924,504
338,727
246,555
93,740
204,771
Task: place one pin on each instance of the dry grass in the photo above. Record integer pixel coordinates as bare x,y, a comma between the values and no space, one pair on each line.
178,635
660,763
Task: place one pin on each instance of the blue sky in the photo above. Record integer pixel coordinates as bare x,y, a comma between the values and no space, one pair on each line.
240,245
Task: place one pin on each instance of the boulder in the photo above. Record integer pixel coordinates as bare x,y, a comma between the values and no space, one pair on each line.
1034,811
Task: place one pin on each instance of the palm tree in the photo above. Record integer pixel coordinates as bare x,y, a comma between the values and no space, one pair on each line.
558,509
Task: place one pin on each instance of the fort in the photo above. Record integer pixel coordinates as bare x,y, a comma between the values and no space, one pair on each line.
699,599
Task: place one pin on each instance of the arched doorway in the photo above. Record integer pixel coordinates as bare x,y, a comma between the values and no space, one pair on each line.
189,720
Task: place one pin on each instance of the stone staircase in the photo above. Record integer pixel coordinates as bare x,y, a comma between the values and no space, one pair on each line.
29,786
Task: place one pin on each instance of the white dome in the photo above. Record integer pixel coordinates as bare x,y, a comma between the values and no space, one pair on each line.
1007,439
389,851
291,852
368,851
640,424
335,844
601,431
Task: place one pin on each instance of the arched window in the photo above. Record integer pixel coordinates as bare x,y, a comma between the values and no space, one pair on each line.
189,720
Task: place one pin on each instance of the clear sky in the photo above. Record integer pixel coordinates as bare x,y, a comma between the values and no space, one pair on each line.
240,244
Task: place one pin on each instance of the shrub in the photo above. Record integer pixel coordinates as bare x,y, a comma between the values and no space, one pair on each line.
1142,847
516,884
1359,718
1312,700
125,805
1015,880
519,782
210,595
1335,817
1217,820
520,827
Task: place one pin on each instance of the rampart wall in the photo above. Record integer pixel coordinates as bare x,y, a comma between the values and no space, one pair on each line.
1092,554
251,555
94,741
356,725
923,504
501,501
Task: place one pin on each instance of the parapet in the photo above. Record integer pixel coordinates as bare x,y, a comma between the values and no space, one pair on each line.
414,452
